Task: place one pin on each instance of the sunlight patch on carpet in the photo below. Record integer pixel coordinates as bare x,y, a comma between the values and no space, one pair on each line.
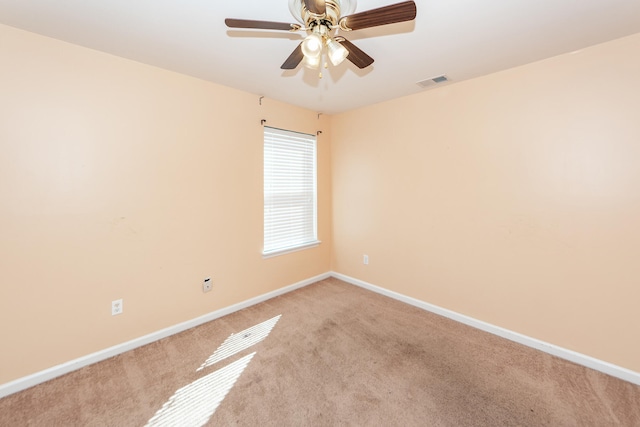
237,342
194,404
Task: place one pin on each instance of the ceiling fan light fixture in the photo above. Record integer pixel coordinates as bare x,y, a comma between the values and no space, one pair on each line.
336,52
312,45
322,20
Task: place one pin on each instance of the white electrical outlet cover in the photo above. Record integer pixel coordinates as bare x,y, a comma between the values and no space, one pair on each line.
116,307
206,285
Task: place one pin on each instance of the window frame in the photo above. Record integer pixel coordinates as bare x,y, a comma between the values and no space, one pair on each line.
296,145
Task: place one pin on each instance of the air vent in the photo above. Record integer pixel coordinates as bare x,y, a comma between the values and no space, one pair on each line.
433,81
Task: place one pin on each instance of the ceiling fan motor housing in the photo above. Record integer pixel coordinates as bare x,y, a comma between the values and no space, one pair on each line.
333,10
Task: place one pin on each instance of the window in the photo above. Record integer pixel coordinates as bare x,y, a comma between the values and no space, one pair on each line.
290,214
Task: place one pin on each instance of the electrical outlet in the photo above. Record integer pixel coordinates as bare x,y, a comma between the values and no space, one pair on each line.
207,284
116,307
365,259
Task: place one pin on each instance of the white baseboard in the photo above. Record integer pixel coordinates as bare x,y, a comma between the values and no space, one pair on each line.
56,371
570,355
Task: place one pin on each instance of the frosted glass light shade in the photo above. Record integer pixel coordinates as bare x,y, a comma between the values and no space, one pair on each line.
312,62
312,45
336,52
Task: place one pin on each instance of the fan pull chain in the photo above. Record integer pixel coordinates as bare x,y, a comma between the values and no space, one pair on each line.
326,66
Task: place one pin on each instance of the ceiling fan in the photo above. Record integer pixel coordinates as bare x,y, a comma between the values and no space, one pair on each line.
322,18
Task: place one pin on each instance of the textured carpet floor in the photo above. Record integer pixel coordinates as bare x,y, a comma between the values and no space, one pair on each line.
337,355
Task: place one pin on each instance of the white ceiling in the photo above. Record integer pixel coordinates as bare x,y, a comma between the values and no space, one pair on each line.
460,38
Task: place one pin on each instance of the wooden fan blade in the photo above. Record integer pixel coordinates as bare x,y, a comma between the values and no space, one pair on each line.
294,59
317,7
356,55
399,12
263,25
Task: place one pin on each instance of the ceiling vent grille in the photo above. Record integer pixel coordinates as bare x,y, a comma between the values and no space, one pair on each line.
432,81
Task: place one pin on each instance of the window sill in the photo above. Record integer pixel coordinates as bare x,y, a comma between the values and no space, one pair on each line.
279,252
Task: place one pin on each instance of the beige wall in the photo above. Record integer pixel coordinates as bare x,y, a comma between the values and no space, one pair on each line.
120,180
512,198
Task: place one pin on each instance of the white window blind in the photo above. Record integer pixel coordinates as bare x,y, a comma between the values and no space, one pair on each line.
290,219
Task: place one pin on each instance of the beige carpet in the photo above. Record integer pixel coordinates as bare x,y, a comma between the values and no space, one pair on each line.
337,355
